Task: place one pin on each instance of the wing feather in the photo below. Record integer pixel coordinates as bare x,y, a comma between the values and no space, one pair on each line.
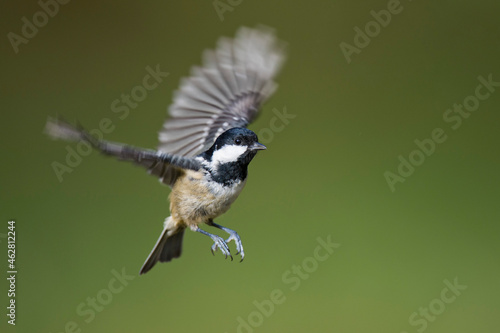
226,92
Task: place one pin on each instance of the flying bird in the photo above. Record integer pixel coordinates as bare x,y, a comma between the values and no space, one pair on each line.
204,146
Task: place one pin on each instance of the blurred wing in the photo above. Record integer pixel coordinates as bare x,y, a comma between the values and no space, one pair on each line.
226,92
163,165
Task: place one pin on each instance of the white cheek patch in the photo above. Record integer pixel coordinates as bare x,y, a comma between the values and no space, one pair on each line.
229,153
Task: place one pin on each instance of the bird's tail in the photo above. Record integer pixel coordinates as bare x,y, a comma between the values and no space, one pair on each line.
168,246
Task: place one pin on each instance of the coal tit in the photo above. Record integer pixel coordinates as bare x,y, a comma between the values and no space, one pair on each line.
205,147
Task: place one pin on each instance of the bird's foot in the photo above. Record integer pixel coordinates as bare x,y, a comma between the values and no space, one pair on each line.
237,240
233,235
219,243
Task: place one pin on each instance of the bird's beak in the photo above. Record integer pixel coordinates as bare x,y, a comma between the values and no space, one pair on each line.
257,146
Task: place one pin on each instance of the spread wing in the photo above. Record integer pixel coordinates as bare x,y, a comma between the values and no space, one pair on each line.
163,165
236,78
226,92
155,162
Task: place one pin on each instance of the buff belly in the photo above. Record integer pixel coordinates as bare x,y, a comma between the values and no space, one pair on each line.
194,199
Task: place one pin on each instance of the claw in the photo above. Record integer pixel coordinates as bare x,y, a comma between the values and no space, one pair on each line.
239,246
219,243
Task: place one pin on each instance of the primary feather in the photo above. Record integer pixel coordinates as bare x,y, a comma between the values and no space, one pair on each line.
236,78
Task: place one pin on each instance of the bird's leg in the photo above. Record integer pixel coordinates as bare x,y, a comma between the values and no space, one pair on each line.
218,243
233,235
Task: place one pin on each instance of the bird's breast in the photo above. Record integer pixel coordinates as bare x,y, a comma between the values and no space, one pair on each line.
196,198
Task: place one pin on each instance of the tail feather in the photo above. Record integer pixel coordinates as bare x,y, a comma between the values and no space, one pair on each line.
173,247
168,247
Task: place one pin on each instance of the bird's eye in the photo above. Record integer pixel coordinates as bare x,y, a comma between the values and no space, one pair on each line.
237,141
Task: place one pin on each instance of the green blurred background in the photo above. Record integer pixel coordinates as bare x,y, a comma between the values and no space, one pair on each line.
323,174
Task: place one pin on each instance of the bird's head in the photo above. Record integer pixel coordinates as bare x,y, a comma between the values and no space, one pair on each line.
235,145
